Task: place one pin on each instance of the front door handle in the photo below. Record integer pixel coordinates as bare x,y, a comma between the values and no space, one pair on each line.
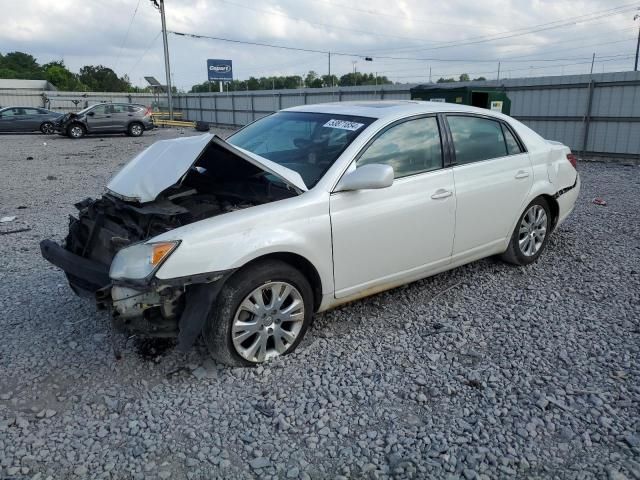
522,174
441,193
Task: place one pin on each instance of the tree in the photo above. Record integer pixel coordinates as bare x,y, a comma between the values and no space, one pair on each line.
20,65
102,79
446,80
464,77
479,79
58,74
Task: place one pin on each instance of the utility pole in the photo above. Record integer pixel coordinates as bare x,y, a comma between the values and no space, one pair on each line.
330,79
498,70
593,59
635,68
167,68
429,73
355,62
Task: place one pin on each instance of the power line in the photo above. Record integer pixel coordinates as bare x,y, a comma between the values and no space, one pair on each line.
517,33
346,54
145,52
126,35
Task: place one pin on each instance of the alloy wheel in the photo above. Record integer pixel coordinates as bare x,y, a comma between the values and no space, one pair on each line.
136,130
47,128
76,131
268,321
533,230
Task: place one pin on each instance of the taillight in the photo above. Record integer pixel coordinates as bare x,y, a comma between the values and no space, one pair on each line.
149,111
573,160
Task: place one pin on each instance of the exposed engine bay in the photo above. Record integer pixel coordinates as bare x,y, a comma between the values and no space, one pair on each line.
218,182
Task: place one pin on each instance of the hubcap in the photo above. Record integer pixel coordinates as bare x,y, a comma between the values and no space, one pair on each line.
533,229
136,130
268,322
76,131
47,128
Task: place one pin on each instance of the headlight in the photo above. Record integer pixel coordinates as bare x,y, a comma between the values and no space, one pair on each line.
139,261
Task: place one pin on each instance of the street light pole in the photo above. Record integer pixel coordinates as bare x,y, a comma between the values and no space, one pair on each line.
167,68
635,68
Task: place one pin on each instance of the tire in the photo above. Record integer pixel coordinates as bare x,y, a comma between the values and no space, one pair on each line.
530,235
136,129
76,130
47,128
269,337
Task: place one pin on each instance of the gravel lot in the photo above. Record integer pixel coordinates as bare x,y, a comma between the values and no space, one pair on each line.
487,371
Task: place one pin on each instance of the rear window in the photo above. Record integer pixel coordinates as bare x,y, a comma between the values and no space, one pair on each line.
476,139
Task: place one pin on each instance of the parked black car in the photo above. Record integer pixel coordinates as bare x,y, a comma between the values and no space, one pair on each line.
27,119
129,118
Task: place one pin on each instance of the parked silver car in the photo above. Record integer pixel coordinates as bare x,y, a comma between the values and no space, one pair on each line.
28,119
129,118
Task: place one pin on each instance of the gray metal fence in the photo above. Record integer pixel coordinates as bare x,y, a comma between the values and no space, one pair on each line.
596,114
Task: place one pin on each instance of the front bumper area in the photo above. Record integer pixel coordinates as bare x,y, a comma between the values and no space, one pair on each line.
85,276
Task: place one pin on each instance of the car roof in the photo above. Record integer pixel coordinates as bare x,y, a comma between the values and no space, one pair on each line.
380,109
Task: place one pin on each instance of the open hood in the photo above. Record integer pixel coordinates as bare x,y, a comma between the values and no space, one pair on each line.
166,162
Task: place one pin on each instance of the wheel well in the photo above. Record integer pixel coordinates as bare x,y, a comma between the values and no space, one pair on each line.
554,208
304,266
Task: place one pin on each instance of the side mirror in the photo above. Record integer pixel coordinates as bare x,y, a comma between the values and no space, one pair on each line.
374,175
91,114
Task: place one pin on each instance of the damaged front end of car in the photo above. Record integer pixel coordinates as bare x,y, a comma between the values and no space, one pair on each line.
110,254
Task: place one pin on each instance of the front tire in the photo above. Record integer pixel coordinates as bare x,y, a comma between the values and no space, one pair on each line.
47,128
135,129
76,131
531,234
262,312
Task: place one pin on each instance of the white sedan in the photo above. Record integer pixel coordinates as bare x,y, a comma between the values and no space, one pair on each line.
306,209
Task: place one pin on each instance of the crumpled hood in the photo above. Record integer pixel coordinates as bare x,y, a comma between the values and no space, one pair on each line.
166,162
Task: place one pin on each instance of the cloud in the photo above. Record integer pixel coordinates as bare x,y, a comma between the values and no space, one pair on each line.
93,32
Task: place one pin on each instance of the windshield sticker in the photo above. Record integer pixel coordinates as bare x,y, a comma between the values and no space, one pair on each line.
343,124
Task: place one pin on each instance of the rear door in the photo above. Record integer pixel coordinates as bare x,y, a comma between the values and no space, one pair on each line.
493,176
389,236
32,119
121,116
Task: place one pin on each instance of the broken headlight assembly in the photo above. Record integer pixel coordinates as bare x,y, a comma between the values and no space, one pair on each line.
140,261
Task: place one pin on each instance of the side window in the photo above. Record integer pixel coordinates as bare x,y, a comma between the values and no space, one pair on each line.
513,147
100,110
11,112
119,108
31,111
476,138
410,147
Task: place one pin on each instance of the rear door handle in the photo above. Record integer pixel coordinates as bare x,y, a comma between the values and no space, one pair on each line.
441,193
522,174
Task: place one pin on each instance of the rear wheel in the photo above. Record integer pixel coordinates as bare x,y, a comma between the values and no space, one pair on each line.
47,128
530,235
135,129
261,313
76,130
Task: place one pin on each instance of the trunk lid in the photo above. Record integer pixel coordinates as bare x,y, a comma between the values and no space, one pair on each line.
166,162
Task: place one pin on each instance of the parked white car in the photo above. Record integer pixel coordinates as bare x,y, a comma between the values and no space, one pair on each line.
303,210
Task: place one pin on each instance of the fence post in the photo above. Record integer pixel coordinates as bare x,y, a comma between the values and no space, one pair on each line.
587,117
279,101
381,93
233,109
253,117
215,109
200,103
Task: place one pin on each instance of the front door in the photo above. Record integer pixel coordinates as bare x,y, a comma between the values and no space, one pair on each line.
386,237
100,119
493,176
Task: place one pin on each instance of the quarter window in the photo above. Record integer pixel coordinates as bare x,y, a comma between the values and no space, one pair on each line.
410,147
513,147
476,139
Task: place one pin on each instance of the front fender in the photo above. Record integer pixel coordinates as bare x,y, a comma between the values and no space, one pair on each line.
232,240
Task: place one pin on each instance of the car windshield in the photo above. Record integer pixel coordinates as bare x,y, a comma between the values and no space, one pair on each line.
307,143
85,110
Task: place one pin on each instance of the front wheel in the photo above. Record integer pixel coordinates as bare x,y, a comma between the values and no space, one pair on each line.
47,128
135,129
530,235
75,131
261,313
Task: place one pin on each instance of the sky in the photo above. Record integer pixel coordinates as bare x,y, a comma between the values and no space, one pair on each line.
405,38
